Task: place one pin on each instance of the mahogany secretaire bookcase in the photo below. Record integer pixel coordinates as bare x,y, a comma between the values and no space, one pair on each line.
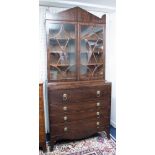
79,98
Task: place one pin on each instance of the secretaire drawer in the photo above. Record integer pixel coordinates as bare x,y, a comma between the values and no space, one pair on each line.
82,94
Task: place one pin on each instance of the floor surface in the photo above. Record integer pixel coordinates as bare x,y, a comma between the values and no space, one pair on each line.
113,132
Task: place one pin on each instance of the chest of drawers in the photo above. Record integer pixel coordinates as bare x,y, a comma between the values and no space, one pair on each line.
78,110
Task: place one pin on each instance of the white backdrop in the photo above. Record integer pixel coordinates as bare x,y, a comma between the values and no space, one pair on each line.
44,13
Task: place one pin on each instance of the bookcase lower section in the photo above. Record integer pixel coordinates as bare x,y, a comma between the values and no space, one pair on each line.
78,110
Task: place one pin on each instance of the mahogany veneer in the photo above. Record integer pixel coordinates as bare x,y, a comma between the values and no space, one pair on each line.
82,113
79,98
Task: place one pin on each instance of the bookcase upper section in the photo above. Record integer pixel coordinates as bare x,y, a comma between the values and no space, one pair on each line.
75,46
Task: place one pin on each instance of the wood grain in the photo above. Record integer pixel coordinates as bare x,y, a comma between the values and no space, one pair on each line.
76,99
42,138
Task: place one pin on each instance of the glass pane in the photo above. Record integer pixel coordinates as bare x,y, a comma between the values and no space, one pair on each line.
61,45
91,52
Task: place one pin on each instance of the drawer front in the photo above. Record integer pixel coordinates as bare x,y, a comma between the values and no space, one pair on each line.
99,114
77,117
78,127
56,109
79,134
74,95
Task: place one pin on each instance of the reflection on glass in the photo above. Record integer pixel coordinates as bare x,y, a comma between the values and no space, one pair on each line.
61,41
91,52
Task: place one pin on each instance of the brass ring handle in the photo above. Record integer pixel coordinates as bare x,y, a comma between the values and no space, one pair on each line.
98,93
64,97
64,108
65,129
98,104
98,113
97,123
65,118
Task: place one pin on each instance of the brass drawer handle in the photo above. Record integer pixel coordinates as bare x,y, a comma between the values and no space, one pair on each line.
98,104
65,129
97,123
65,118
64,108
98,113
98,93
64,97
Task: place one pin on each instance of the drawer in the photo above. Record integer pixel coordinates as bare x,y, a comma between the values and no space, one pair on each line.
56,109
74,95
79,134
78,127
99,115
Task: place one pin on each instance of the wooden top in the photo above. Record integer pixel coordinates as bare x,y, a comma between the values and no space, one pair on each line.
78,14
77,84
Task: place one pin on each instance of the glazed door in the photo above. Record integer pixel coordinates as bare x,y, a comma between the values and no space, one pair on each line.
92,49
61,42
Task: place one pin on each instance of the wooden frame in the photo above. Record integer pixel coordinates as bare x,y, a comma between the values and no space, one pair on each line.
73,16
